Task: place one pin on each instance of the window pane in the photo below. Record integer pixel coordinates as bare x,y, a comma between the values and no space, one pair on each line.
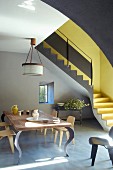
43,93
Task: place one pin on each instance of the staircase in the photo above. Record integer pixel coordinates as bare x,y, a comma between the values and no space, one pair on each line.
103,110
67,69
102,105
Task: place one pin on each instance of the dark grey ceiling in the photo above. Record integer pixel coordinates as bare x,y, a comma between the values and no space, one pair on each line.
94,16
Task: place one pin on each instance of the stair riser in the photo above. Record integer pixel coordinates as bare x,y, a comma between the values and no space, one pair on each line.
100,100
103,105
104,111
109,122
97,95
107,116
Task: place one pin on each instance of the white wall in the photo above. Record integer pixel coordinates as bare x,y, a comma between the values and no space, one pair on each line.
22,90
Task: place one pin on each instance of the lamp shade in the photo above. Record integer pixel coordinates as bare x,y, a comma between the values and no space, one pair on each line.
29,68
33,69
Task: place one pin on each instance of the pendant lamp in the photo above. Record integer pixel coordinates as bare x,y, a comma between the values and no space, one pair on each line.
30,68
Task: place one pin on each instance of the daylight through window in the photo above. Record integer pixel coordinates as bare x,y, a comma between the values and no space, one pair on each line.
46,93
43,94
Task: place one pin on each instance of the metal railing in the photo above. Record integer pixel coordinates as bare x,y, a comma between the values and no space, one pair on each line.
67,52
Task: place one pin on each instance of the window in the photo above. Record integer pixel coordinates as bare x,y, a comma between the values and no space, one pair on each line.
43,94
46,93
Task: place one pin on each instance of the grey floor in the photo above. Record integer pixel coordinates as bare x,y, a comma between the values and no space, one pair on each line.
41,153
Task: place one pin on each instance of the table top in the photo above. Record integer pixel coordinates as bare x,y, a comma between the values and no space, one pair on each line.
21,124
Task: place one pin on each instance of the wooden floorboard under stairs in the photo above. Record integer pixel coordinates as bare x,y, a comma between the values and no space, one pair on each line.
103,110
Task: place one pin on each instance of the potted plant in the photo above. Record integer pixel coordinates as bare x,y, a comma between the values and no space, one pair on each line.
76,104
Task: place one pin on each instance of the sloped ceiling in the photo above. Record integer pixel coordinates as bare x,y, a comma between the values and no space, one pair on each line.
19,23
94,17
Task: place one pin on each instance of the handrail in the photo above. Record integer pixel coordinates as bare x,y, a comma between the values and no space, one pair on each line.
80,50
75,45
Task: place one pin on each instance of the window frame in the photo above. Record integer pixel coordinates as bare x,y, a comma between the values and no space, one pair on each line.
49,95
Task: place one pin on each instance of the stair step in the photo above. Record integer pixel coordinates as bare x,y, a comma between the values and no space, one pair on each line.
66,69
110,122
54,55
60,62
69,66
104,110
107,116
80,78
101,99
73,73
103,105
96,95
47,50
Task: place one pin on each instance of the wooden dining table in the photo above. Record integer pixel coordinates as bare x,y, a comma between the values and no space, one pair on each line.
26,123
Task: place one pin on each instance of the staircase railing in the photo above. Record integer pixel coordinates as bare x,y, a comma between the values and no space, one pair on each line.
67,52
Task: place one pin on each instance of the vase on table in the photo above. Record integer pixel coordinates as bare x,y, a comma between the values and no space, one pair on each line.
14,109
35,114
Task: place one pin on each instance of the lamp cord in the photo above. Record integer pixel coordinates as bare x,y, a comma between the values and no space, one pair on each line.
39,56
30,54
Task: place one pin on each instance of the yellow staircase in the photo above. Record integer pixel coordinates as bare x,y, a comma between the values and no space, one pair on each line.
104,109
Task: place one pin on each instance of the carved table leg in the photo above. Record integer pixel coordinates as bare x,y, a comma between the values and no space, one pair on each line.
71,136
17,146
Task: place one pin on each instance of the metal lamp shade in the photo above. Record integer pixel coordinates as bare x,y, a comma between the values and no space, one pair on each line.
33,69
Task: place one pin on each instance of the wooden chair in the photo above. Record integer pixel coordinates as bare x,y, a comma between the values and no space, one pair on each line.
53,114
7,133
70,119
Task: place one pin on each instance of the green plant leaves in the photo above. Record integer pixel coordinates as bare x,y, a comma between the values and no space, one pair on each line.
75,104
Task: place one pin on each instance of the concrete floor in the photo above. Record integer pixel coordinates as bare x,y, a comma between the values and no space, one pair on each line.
41,153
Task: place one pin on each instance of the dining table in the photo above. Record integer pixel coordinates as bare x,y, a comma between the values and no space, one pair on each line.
26,122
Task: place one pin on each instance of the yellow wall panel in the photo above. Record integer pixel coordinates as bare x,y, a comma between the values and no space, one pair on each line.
106,79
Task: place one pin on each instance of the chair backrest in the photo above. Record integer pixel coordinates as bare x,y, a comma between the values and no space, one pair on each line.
71,119
54,113
111,132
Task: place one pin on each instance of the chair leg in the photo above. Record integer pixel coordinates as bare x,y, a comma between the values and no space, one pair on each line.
41,130
52,130
110,151
11,143
93,153
73,141
56,134
45,131
7,127
61,136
